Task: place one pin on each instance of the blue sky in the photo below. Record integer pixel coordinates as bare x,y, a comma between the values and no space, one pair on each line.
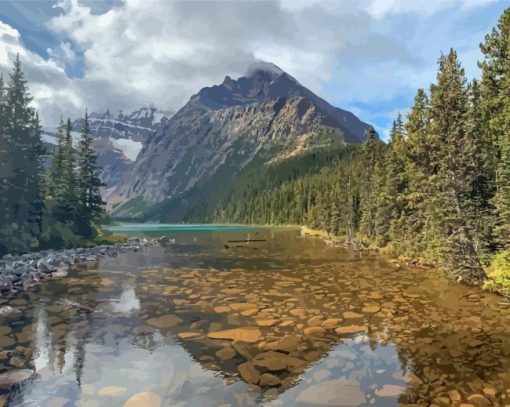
367,56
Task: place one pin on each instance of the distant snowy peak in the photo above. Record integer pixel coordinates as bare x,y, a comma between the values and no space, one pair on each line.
142,120
149,115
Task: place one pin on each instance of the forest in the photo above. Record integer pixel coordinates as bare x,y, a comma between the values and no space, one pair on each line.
44,203
438,191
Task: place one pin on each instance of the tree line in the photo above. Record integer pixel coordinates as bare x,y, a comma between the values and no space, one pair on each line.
43,208
439,189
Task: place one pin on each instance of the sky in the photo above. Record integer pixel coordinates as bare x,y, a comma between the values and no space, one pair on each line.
366,56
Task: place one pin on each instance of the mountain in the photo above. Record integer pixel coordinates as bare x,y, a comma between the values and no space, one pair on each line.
264,116
118,140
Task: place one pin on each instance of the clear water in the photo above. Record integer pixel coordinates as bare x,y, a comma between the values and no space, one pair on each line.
326,326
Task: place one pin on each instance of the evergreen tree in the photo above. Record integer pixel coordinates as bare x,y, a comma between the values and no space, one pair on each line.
417,165
66,186
5,167
450,206
54,173
495,101
482,171
21,168
90,201
389,212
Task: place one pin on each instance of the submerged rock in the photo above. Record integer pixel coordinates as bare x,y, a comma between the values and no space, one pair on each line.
277,361
144,399
351,329
165,321
338,393
13,377
247,334
249,373
390,390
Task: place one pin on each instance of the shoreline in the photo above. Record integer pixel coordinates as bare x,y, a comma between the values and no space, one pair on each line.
398,260
19,273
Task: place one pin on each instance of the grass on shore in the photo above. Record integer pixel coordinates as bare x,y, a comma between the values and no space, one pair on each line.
498,274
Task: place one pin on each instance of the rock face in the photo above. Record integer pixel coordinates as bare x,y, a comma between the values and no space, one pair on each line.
265,115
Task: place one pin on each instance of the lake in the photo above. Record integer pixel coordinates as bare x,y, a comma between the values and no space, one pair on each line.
245,316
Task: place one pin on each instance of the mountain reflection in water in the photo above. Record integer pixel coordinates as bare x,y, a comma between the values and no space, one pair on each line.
286,322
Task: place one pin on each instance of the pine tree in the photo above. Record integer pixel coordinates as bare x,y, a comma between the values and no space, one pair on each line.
66,185
495,101
482,174
372,153
450,207
417,165
54,173
22,166
5,167
90,201
390,208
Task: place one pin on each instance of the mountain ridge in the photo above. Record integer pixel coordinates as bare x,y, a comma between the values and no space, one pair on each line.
227,125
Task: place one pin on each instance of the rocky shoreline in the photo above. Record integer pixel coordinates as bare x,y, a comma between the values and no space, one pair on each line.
22,272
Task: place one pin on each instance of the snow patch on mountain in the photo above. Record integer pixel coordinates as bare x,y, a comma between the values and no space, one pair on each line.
49,138
129,147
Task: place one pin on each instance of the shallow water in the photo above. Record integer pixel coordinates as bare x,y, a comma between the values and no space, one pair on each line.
320,325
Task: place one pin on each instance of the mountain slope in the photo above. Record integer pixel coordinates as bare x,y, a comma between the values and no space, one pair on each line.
266,114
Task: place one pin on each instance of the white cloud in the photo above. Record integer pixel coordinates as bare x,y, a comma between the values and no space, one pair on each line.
62,54
380,8
162,52
52,91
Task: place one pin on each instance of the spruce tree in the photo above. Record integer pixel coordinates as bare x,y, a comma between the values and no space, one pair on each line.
390,208
5,167
481,171
495,101
66,186
90,201
22,167
450,206
417,166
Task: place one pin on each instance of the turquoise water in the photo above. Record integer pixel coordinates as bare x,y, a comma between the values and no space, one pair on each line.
160,228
